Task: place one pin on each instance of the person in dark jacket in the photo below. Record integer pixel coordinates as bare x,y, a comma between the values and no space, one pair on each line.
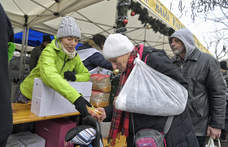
90,54
223,66
36,52
206,88
6,35
119,50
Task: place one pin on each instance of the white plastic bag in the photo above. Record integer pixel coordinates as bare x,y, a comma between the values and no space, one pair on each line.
211,143
150,92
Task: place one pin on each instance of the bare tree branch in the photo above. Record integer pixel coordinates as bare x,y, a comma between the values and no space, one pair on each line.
216,43
218,20
223,12
207,43
205,6
180,6
170,6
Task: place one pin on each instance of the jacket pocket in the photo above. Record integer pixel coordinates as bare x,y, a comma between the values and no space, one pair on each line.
194,109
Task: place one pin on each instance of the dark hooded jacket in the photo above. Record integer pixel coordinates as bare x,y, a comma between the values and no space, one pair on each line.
181,132
206,88
6,35
35,54
91,56
225,77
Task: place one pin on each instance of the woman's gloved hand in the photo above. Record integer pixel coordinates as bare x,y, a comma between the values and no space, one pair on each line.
80,105
70,76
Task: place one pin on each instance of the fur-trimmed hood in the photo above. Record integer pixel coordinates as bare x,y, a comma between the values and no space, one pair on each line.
89,44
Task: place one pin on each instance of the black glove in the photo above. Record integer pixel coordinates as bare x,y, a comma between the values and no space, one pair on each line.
69,75
80,105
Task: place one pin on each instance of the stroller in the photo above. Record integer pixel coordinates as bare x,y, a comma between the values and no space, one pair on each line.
86,135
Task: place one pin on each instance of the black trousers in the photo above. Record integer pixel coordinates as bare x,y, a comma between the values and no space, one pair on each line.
201,140
225,131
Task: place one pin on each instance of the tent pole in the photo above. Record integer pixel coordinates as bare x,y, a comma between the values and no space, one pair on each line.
21,74
25,51
144,37
163,42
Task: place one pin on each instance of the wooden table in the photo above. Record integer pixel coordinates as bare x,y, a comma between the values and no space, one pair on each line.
22,114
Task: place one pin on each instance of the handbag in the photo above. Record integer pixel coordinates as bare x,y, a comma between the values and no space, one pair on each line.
150,92
211,143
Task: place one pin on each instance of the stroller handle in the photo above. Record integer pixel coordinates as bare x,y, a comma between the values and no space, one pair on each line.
95,124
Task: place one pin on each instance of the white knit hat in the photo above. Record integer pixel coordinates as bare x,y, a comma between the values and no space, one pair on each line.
68,27
117,45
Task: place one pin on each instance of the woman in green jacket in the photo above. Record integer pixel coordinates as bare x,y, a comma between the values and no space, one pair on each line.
59,61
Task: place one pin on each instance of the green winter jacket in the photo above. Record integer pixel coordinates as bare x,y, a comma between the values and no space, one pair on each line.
52,64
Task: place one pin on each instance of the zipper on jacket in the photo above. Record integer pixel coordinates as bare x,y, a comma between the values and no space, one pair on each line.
64,63
181,65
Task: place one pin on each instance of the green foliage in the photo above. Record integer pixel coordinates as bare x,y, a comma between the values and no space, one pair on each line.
144,17
122,8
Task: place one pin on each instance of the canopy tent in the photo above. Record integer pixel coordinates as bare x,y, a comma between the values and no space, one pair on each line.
97,16
100,18
24,14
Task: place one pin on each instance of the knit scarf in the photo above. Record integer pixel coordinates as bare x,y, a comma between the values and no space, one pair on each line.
71,54
120,122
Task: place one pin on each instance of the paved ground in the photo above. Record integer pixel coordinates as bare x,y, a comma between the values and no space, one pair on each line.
224,144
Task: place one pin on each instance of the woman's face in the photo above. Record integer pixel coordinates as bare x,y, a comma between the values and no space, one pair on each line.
120,62
69,43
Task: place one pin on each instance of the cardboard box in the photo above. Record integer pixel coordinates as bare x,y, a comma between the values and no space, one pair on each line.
54,131
42,98
61,105
26,139
46,101
41,107
14,142
41,90
82,87
33,140
21,134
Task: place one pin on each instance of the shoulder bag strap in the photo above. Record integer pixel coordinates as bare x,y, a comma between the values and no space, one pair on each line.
166,128
140,49
133,125
168,124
